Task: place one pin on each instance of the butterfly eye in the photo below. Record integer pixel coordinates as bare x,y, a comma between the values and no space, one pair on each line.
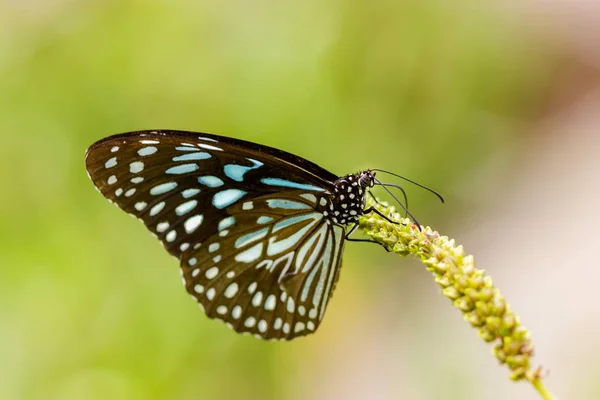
257,231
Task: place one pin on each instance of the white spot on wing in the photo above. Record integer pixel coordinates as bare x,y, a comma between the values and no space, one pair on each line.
157,208
136,167
231,290
277,324
183,169
257,299
207,139
299,327
187,193
262,326
236,313
192,223
270,302
210,181
250,255
211,272
186,207
222,310
227,197
146,151
111,162
226,223
163,188
209,147
162,226
210,293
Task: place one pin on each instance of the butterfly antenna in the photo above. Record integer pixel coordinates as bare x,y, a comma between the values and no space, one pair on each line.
397,187
411,181
399,202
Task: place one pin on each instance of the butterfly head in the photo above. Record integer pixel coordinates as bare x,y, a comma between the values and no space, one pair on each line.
366,179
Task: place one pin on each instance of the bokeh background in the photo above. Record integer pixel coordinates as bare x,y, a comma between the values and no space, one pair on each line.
495,104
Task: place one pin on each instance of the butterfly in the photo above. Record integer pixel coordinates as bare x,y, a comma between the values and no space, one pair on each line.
259,232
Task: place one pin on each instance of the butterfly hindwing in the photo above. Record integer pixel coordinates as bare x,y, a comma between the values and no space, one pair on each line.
271,269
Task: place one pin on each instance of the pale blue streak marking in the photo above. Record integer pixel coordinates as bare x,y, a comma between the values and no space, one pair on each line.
163,188
290,184
338,233
192,156
227,197
287,204
210,181
183,148
209,147
146,151
187,193
294,220
236,172
285,244
183,169
312,256
186,207
323,265
250,255
226,223
310,197
322,234
208,139
264,220
250,237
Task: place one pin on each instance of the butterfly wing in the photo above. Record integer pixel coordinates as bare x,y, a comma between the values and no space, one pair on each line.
191,188
271,269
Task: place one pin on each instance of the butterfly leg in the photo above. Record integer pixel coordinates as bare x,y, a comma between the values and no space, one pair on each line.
348,238
376,211
373,197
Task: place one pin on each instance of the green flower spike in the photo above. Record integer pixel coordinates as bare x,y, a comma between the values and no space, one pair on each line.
469,289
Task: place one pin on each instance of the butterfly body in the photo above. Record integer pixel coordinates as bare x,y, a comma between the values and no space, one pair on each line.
259,232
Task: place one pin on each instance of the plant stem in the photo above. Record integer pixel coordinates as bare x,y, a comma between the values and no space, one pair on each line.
469,289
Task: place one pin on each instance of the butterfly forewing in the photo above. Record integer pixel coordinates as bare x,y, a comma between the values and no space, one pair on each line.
242,218
173,182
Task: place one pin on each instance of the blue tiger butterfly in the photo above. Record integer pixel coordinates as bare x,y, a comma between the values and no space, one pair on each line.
259,232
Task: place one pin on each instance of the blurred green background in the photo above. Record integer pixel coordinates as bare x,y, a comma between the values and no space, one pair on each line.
92,307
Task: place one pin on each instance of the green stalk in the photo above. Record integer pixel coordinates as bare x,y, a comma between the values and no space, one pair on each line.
467,287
